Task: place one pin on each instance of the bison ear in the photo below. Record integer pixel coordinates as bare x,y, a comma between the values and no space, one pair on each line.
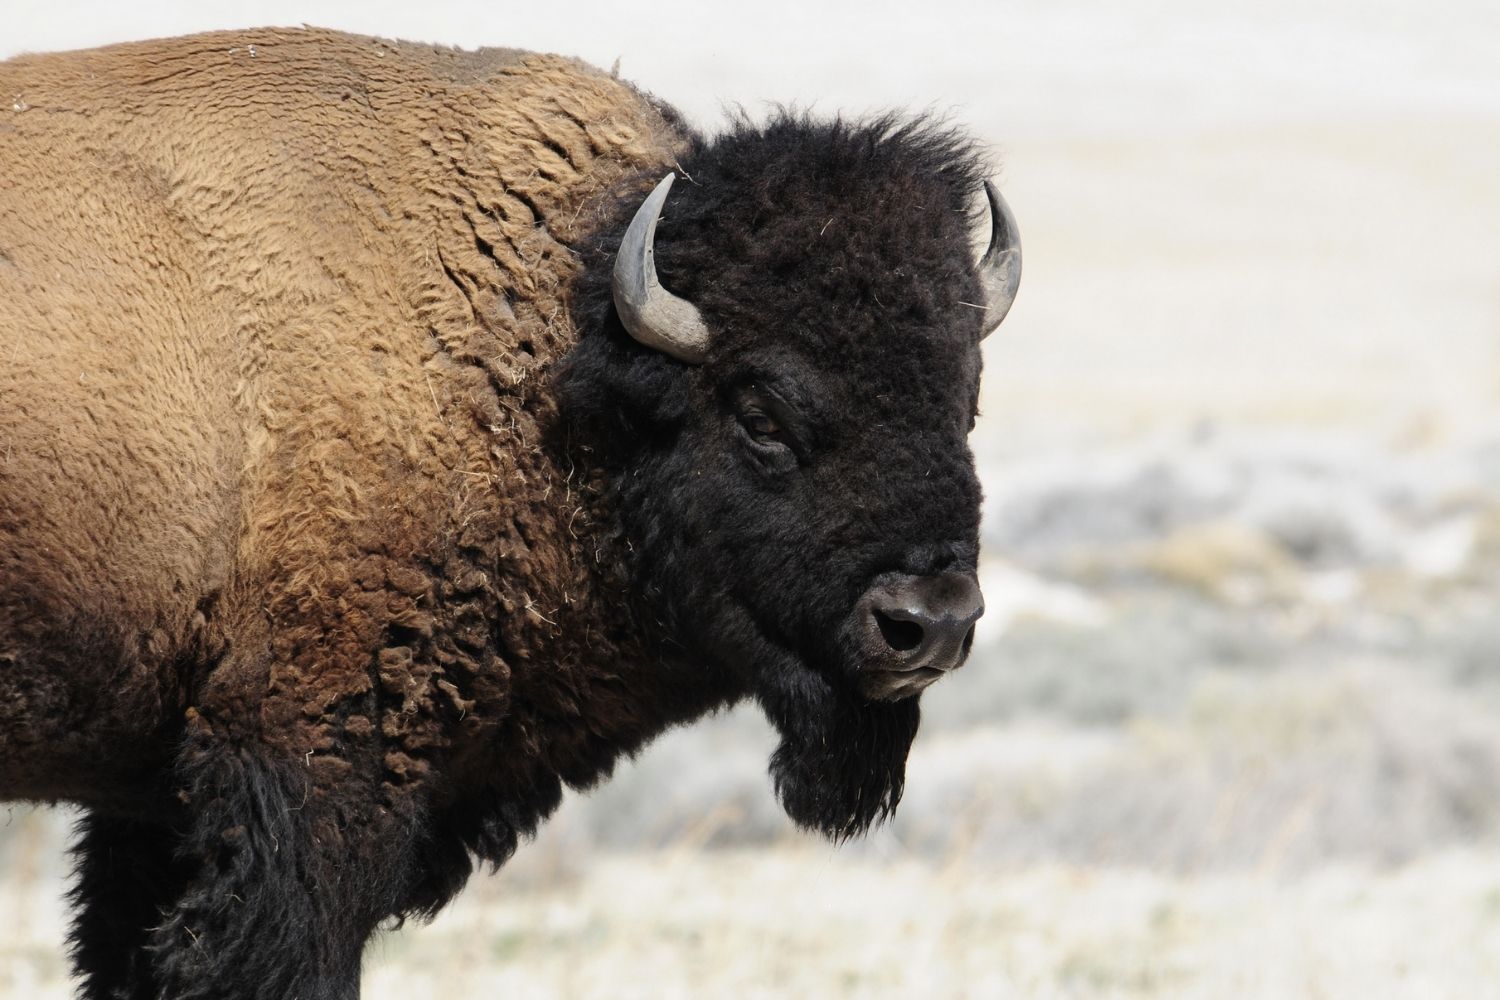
1000,267
654,316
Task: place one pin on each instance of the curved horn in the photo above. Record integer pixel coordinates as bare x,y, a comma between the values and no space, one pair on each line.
654,316
1000,267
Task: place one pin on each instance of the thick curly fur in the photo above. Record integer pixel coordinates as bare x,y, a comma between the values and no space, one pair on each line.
832,262
342,525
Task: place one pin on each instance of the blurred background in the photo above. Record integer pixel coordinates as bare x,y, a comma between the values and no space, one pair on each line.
1232,726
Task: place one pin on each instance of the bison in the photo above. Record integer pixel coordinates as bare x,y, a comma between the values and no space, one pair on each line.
386,443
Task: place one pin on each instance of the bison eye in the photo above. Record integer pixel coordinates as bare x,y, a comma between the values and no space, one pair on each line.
769,433
761,426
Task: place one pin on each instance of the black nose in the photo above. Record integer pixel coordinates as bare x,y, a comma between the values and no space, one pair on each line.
927,621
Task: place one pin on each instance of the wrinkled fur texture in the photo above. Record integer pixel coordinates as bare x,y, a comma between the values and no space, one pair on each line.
342,525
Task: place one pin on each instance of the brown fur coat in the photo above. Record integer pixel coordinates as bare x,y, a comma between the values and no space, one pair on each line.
266,490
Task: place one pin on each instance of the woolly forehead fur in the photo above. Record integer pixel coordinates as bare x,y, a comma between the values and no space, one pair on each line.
862,223
845,242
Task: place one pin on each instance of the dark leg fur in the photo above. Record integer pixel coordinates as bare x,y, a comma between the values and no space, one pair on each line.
267,913
268,893
125,883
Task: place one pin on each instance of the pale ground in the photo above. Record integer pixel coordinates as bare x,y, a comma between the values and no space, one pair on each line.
1233,729
800,922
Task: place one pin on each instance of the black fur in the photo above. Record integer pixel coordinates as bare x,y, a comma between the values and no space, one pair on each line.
832,262
126,878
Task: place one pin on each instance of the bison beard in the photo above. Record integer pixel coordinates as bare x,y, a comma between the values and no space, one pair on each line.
841,763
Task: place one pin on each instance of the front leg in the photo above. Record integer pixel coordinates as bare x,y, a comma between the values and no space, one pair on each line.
125,881
285,880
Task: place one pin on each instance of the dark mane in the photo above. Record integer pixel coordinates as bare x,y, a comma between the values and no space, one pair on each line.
759,200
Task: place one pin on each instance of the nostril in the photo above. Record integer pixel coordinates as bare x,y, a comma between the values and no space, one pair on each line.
968,643
902,636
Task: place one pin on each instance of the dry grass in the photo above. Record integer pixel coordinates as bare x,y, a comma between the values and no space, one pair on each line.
803,923
799,922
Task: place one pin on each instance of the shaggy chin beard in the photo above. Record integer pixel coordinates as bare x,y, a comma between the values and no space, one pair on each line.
841,763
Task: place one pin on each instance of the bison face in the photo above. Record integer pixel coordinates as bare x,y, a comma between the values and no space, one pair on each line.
788,429
827,519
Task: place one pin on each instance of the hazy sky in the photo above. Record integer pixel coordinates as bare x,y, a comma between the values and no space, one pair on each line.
1028,65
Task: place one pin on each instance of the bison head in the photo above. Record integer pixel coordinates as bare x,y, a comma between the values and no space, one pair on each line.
781,374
